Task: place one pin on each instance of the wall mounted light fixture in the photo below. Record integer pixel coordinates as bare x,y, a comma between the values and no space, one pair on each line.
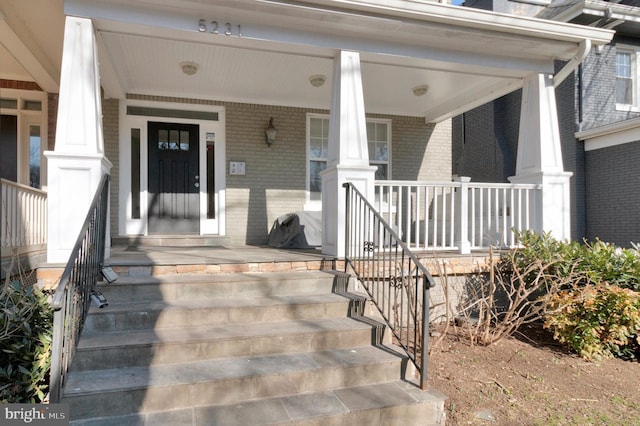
270,132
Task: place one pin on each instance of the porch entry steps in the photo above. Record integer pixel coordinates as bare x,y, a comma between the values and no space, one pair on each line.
244,348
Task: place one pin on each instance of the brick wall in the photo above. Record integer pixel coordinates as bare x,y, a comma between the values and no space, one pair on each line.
420,151
274,183
275,179
110,128
52,120
585,100
485,144
567,102
19,85
599,77
477,151
613,194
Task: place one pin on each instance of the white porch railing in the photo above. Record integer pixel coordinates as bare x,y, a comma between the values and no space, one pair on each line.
458,215
24,218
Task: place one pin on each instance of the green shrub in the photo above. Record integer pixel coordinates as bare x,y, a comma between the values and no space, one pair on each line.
25,340
596,321
594,307
588,263
604,262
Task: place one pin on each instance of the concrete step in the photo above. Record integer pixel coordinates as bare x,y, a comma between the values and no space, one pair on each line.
154,315
245,348
226,381
395,403
171,345
172,287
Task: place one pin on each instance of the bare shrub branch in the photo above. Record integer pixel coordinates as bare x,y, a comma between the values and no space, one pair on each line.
509,296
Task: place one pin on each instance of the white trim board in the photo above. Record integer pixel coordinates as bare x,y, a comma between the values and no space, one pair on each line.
609,135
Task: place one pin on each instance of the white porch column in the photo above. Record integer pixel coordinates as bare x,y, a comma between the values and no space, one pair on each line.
348,156
539,157
78,162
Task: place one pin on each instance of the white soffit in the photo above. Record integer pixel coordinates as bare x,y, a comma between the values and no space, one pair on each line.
11,69
31,41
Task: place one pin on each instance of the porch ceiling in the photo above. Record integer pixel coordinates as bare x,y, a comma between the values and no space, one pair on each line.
31,35
466,57
276,75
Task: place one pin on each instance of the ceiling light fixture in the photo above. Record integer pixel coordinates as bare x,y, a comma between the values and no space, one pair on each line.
189,68
420,90
317,80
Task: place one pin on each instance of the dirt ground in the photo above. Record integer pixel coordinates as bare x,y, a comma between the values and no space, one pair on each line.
531,381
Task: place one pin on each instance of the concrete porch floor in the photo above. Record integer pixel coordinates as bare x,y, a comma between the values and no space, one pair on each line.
144,259
208,255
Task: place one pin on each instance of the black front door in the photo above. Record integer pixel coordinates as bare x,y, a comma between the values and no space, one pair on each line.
9,147
174,181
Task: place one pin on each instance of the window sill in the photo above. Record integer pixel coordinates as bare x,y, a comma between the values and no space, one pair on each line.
627,108
312,206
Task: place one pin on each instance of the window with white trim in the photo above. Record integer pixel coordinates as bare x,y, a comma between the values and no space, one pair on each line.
626,78
379,142
23,131
318,145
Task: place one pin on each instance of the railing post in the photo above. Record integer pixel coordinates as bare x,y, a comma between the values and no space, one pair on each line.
462,216
55,387
424,363
347,225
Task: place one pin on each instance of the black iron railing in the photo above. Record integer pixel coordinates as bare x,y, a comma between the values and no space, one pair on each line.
395,280
72,298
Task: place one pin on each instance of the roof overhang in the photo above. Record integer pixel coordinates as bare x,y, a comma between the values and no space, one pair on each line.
31,42
466,57
624,18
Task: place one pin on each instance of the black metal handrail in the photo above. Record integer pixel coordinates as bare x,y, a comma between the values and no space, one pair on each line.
393,277
72,298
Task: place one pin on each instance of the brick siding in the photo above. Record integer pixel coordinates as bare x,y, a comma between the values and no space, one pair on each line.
52,119
486,140
110,129
485,145
20,85
275,179
613,194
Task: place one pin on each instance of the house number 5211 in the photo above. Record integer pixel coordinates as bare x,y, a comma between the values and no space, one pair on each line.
214,27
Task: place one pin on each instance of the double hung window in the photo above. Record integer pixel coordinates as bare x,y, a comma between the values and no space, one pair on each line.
379,145
626,79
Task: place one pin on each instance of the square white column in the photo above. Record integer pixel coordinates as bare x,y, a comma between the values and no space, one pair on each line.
539,158
76,166
348,155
